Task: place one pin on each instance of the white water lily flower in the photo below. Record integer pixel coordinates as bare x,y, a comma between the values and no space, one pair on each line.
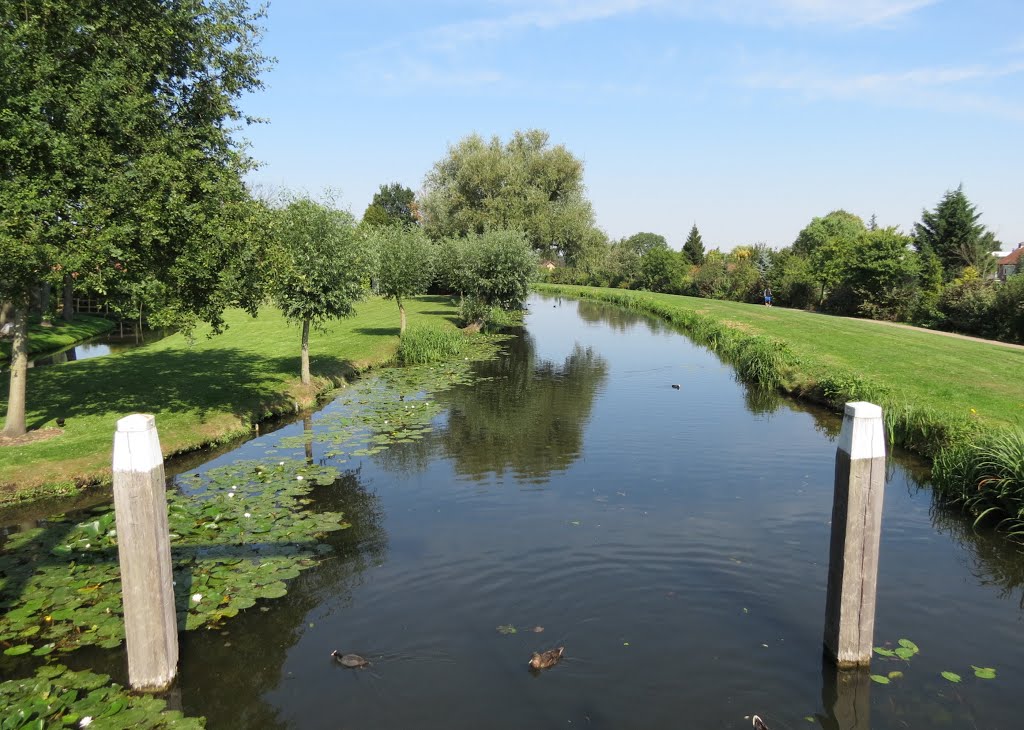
85,721
248,515
280,463
231,494
196,598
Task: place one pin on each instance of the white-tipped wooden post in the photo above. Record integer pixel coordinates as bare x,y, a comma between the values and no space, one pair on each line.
856,531
144,551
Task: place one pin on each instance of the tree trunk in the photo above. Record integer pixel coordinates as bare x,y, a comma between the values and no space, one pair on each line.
305,352
69,298
6,313
44,304
15,423
401,314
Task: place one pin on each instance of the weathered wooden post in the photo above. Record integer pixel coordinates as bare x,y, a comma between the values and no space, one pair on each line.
846,697
856,532
144,552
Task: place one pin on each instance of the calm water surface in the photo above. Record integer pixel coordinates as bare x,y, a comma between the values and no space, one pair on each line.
674,541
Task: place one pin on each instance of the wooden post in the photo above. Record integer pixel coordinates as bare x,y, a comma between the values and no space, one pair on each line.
144,552
856,531
846,697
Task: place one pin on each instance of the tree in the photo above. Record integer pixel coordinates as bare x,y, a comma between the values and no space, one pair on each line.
661,270
693,248
827,244
321,267
392,205
404,264
525,184
118,153
883,275
644,243
503,267
953,233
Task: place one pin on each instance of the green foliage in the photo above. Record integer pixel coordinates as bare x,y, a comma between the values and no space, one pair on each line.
1008,309
661,269
404,265
883,275
712,279
524,184
828,244
392,205
693,248
59,697
321,264
966,305
953,232
985,475
503,267
423,344
644,243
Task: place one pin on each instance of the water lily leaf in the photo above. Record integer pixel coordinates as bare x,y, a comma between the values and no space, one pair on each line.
908,644
880,679
506,629
984,672
884,652
951,676
18,650
895,675
905,653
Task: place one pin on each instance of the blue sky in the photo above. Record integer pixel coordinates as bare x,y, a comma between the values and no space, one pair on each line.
746,117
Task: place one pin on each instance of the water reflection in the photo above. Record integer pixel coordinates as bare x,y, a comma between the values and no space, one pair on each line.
524,415
846,697
620,320
227,679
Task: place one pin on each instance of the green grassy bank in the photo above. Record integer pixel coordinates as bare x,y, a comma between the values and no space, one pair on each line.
61,334
204,392
942,396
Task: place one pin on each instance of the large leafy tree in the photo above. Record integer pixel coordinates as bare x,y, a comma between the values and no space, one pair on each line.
392,205
404,264
321,266
828,244
953,233
525,184
118,158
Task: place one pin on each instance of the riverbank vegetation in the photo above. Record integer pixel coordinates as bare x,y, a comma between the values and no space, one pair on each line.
204,391
942,276
956,400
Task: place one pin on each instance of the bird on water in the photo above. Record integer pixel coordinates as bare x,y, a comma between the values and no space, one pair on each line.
546,659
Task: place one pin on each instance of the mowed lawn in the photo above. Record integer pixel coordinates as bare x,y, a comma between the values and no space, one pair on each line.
210,389
963,378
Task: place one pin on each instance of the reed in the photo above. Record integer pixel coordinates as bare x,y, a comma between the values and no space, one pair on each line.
421,344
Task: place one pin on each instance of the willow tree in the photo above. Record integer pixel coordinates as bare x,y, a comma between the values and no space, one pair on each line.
404,264
321,266
119,158
524,184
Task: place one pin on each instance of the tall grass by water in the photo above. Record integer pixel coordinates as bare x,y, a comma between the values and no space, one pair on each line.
959,402
422,344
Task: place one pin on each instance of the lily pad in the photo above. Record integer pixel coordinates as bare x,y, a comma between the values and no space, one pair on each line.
984,672
879,678
951,676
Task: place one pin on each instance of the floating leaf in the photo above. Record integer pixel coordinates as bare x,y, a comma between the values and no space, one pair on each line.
884,652
905,653
895,675
951,676
984,672
881,679
18,650
506,629
908,644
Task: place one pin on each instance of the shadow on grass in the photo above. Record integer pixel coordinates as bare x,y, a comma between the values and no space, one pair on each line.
209,383
378,331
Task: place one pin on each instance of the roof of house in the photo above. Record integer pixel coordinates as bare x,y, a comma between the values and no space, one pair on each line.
1013,258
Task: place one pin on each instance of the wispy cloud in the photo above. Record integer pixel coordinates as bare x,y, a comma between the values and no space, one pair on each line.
952,87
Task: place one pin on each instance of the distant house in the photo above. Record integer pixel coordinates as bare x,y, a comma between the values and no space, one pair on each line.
549,265
1010,264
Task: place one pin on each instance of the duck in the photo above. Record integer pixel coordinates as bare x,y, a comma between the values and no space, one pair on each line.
352,661
546,659
758,723
675,386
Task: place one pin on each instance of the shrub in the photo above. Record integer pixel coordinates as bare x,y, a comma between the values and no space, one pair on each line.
967,305
1008,309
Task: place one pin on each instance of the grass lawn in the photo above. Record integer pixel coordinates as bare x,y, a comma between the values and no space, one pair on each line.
61,334
954,378
201,392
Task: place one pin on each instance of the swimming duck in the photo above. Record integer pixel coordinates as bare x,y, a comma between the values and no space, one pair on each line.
675,386
352,661
545,659
759,723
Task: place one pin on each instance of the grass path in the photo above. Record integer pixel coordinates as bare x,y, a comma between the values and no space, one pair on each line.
955,379
203,392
